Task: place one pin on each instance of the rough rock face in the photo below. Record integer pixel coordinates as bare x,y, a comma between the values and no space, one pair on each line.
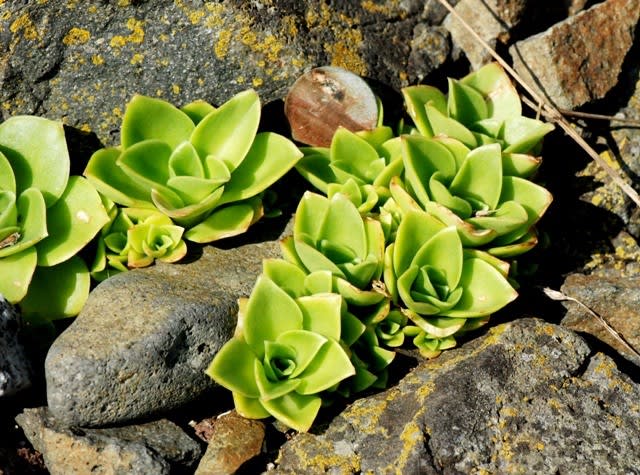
526,398
15,373
144,338
579,60
82,63
155,447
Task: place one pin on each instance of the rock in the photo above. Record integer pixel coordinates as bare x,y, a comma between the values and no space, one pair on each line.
616,300
233,441
528,397
579,60
492,20
144,338
155,447
15,370
82,63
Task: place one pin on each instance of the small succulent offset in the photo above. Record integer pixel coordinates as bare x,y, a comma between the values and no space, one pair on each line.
285,353
201,166
135,238
46,218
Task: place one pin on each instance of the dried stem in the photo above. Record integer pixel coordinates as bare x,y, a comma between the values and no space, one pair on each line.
548,110
559,296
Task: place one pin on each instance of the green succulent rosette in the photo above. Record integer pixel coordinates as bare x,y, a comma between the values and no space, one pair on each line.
203,167
438,284
46,218
472,190
285,353
483,107
136,237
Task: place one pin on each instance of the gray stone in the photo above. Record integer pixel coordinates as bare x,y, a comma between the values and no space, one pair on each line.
15,370
492,20
579,60
152,448
615,299
528,397
144,338
81,63
233,440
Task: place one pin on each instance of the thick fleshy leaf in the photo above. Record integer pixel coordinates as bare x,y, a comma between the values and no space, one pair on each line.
197,110
270,157
509,217
522,133
57,292
249,407
422,158
147,163
401,198
321,314
415,229
416,98
109,179
168,202
343,225
376,137
295,410
485,290
469,234
310,215
193,189
488,130
319,282
457,149
174,255
32,211
502,98
72,222
313,260
519,164
405,283
329,366
7,178
443,125
389,274
480,176
272,389
16,271
228,132
184,161
148,118
441,194
465,104
357,156
285,275
355,295
524,244
444,253
439,327
37,151
500,265
233,368
270,312
306,345
314,167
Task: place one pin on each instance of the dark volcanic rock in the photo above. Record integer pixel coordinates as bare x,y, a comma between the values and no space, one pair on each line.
526,398
152,448
15,371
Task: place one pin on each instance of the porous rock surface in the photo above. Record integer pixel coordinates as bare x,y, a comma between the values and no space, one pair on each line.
15,371
144,338
152,448
579,60
529,397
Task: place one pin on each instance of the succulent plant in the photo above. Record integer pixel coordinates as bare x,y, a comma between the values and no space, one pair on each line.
470,189
46,218
203,167
136,237
329,234
438,284
285,353
483,107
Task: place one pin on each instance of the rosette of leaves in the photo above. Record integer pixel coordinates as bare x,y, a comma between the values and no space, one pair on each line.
358,165
285,354
203,167
439,285
135,238
474,190
46,218
483,107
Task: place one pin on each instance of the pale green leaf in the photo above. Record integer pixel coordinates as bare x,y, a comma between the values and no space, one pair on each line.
222,223
16,271
233,368
294,410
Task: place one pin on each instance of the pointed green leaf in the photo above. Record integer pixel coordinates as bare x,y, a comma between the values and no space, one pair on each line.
357,156
170,203
534,198
314,167
492,82
310,215
197,110
233,368
222,223
443,125
16,271
525,243
184,161
249,407
32,212
441,194
148,118
306,345
147,163
519,164
480,176
285,275
522,134
465,104
319,282
419,305
270,157
37,151
343,225
416,98
510,216
295,410
7,178
329,366
57,292
416,228
321,314
443,252
228,132
313,260
456,148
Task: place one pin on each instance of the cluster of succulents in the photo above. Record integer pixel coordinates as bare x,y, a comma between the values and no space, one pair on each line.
409,242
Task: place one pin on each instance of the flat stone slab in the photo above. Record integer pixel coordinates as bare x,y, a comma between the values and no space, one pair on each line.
528,397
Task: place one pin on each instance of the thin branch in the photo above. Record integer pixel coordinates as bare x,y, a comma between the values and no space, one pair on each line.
610,118
548,110
559,296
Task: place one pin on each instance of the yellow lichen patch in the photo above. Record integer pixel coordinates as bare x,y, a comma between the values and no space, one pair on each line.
136,35
117,112
5,15
124,3
85,127
196,16
240,80
92,9
222,45
175,89
257,82
76,36
97,59
345,52
289,25
23,24
137,58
